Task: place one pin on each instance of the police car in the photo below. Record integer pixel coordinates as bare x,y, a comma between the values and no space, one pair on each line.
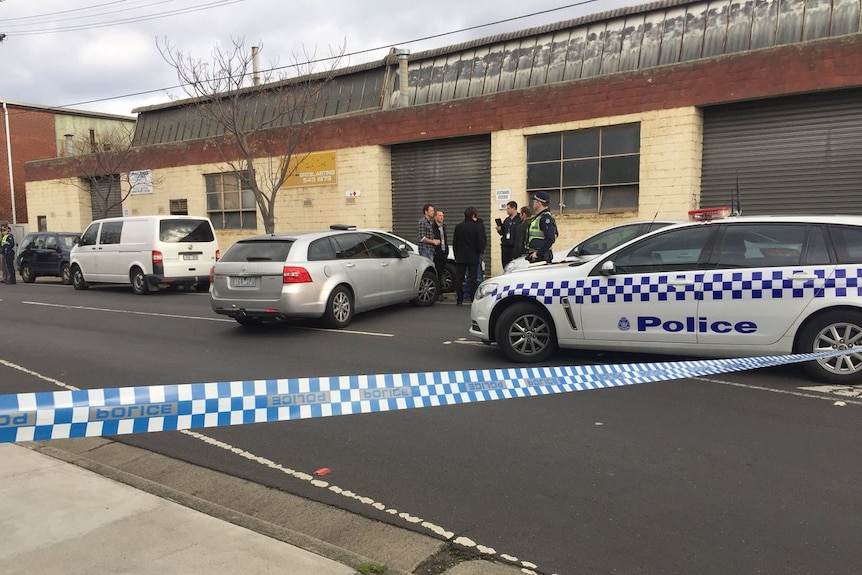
718,287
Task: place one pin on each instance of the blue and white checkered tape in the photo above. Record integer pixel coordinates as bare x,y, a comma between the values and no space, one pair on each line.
117,411
755,284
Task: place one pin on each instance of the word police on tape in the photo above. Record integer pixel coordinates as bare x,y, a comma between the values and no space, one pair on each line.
118,411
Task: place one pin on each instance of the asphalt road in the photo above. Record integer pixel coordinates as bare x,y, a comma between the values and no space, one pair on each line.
752,472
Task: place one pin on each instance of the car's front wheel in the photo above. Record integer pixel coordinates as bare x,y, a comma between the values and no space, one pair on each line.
447,278
27,274
78,281
525,333
429,287
834,331
339,308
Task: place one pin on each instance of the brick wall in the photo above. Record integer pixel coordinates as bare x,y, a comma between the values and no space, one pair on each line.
32,136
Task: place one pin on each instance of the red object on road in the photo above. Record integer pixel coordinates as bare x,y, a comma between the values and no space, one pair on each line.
323,471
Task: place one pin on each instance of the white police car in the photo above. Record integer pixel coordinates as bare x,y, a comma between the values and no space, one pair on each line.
742,286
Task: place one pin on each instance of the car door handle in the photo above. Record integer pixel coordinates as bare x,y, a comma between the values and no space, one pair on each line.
680,282
799,277
384,264
349,265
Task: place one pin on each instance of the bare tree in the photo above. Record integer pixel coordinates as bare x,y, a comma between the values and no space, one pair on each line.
102,160
259,122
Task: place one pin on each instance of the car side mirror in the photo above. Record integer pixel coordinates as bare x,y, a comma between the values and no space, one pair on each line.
608,268
403,251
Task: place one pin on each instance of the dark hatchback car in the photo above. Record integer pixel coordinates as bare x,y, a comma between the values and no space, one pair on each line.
45,254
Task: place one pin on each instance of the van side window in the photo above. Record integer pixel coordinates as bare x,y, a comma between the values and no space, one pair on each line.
183,230
88,238
111,232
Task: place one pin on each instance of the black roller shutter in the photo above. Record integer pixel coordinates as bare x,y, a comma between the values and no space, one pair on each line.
794,155
450,174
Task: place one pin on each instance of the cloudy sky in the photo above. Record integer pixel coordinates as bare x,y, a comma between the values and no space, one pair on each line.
102,55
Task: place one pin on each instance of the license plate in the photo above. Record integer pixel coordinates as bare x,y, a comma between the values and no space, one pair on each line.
243,282
190,256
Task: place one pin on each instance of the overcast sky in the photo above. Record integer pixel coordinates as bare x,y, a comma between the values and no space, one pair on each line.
101,55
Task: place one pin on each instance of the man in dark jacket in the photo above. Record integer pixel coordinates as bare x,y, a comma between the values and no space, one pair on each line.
468,243
526,214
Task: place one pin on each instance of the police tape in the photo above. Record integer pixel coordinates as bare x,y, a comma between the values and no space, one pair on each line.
42,416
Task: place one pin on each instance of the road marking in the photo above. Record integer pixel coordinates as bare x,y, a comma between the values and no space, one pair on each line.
177,316
823,396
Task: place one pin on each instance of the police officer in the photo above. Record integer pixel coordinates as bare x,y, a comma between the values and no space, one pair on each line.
541,231
7,248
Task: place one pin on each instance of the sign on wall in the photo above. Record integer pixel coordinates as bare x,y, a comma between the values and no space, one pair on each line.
141,182
315,169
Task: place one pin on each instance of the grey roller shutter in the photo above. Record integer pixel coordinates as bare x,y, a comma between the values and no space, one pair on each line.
105,192
450,174
795,155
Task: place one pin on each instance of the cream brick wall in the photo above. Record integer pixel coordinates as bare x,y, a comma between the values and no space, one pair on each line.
364,170
670,171
64,204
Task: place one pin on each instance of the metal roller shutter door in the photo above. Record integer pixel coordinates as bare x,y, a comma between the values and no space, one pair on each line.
795,155
450,174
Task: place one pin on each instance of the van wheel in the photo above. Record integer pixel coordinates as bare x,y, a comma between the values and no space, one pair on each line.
525,333
27,274
339,308
834,331
139,281
65,274
78,281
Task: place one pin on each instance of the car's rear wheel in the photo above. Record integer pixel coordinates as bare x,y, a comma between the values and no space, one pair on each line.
78,281
428,289
65,274
27,274
525,333
833,331
139,281
447,278
339,308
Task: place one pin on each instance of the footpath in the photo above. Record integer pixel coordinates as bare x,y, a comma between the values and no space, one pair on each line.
96,506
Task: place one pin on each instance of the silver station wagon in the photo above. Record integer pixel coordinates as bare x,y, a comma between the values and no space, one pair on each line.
330,275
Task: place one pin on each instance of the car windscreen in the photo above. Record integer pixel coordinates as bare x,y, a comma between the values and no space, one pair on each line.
258,251
182,230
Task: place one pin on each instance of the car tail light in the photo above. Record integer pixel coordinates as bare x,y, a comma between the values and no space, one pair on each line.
157,257
218,255
295,275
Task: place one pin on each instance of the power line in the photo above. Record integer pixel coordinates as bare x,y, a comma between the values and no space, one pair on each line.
359,52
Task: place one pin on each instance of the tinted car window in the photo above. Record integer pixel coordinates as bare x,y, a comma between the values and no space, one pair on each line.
321,250
175,231
607,240
350,246
848,243
258,251
88,238
761,245
818,251
380,247
68,241
50,242
111,232
676,250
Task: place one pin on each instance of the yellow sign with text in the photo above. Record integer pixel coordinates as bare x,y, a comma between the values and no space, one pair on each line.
317,169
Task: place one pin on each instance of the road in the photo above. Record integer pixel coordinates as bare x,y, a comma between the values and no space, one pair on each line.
753,472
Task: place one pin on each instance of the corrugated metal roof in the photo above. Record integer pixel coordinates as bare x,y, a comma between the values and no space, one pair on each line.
622,40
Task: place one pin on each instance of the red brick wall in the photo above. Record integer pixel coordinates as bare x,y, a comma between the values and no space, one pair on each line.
32,137
812,66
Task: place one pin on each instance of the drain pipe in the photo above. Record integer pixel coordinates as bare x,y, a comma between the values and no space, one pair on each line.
9,162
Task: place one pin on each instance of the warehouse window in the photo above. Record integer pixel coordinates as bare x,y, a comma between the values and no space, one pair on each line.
179,207
230,202
592,170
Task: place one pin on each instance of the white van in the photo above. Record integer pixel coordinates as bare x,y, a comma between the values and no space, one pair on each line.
147,252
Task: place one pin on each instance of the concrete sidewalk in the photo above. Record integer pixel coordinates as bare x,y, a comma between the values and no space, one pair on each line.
61,512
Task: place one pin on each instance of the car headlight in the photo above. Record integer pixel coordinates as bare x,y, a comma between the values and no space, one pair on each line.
486,289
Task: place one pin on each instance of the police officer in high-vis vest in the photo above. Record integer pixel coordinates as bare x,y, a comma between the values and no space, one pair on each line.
7,248
541,231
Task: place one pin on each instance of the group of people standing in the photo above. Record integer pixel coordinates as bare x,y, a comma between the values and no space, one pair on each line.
522,234
468,245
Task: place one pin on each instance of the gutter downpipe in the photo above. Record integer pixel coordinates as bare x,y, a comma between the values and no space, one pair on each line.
9,162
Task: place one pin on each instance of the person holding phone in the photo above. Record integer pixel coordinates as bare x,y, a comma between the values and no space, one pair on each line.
506,229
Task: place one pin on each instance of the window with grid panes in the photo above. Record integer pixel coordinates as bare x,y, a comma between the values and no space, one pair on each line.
591,170
230,202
